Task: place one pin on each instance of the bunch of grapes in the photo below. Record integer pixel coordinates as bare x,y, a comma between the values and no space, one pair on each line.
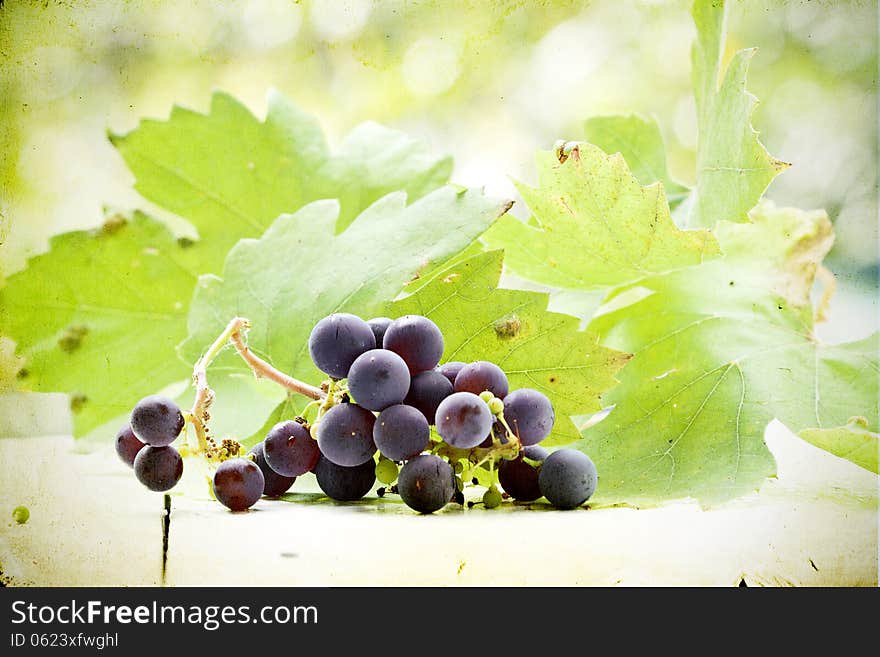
390,412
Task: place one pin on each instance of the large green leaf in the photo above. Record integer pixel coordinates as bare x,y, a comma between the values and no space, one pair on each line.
594,226
733,167
301,270
640,143
100,314
231,175
512,328
719,350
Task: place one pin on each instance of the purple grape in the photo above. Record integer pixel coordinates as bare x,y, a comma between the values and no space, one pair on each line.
426,483
345,484
290,449
128,445
379,326
529,414
519,479
463,420
274,483
401,432
567,478
535,452
158,468
451,369
426,391
479,376
378,379
345,435
156,420
417,340
238,484
337,340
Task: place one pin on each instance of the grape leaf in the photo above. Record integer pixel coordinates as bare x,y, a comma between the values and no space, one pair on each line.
733,167
100,314
300,270
594,226
720,349
10,364
640,143
854,442
230,175
512,328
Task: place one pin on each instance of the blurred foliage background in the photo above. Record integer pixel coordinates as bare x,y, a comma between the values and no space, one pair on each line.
486,81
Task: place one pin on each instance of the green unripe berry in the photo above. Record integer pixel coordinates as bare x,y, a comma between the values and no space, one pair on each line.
492,498
496,406
386,471
487,396
21,514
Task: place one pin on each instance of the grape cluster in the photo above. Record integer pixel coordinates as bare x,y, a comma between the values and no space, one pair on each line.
390,412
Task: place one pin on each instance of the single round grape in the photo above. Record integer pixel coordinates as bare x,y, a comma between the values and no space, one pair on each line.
519,479
426,483
529,414
401,432
482,375
156,420
345,484
337,340
567,478
274,483
345,435
290,449
417,340
492,498
386,471
535,452
451,369
378,379
128,445
238,484
379,326
158,468
426,391
463,420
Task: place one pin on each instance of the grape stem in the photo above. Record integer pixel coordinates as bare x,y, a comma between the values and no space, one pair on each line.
234,333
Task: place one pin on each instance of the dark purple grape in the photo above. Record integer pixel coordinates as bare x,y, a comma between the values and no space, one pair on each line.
379,326
519,479
158,468
463,420
451,369
567,478
426,483
337,340
401,432
426,391
417,340
535,452
238,484
345,435
479,376
127,445
345,484
290,449
378,379
156,420
529,414
274,483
